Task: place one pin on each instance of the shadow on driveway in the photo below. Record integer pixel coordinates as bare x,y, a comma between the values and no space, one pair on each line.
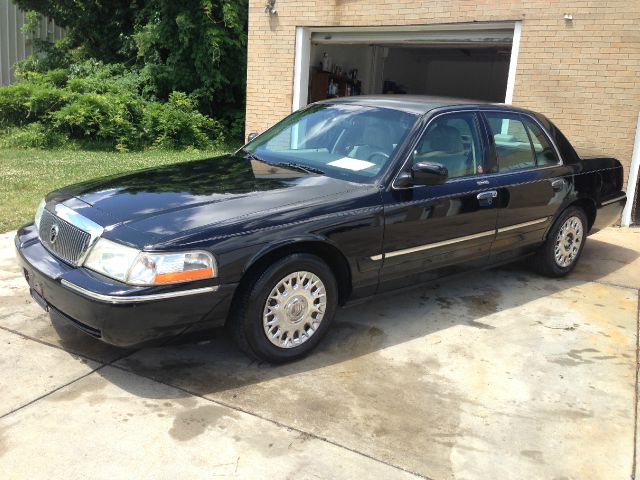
216,365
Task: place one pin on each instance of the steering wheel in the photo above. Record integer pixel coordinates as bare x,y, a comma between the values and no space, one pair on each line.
378,154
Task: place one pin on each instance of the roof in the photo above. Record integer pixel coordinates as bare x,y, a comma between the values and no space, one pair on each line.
418,104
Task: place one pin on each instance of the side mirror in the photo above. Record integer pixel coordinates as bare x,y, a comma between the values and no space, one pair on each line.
251,136
428,173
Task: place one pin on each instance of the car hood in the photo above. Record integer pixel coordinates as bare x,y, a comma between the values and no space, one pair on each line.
173,200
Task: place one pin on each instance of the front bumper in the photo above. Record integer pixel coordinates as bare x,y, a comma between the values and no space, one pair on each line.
116,313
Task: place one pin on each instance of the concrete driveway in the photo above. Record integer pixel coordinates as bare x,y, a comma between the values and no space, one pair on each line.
502,374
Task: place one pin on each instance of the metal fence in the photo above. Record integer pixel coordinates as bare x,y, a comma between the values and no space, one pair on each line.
14,45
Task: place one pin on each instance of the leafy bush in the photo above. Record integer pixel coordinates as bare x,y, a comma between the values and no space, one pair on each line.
192,46
105,104
176,124
29,102
110,118
96,77
33,135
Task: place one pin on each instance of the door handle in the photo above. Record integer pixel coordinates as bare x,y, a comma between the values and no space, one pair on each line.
488,195
557,184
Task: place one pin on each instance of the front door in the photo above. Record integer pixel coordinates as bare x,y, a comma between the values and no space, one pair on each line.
435,230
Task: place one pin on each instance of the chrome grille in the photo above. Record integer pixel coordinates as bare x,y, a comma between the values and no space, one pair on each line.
69,242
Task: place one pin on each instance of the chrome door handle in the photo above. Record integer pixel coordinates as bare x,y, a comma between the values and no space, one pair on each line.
489,194
557,184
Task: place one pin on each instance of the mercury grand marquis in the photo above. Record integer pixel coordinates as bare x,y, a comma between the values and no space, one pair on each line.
339,201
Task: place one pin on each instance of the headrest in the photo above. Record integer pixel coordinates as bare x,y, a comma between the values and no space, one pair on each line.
447,139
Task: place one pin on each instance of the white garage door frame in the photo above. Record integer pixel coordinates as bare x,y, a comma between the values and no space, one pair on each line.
481,32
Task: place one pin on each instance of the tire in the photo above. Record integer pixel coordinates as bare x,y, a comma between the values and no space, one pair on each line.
302,320
557,258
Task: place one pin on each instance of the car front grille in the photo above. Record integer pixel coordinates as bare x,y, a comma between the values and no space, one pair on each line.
63,239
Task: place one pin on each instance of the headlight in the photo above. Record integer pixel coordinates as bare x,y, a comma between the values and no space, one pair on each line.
38,216
132,266
111,259
159,268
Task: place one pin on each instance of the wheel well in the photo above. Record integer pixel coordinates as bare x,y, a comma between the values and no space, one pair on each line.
328,253
589,208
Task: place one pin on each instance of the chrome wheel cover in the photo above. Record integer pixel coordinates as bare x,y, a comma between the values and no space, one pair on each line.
568,242
294,309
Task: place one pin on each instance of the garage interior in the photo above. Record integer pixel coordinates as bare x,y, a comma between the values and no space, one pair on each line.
468,63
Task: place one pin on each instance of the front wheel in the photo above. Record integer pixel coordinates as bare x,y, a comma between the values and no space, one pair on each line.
565,242
283,312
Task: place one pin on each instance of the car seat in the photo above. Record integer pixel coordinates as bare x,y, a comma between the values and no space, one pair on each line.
444,145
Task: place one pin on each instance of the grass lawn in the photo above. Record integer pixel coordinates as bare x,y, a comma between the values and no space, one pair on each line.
26,175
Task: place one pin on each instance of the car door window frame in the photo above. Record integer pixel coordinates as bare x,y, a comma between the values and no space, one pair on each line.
482,139
493,158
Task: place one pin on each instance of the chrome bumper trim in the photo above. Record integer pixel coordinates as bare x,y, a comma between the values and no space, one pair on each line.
136,298
433,245
521,225
614,200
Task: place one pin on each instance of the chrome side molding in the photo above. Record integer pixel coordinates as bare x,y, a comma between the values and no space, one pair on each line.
429,246
117,299
524,224
614,200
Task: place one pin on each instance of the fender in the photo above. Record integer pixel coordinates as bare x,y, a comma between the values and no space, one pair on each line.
322,246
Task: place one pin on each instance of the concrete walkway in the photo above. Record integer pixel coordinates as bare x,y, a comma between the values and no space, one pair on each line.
500,375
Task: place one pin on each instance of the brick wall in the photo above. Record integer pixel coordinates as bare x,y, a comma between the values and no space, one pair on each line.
584,75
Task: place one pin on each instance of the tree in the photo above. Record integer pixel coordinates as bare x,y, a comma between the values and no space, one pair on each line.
101,28
194,46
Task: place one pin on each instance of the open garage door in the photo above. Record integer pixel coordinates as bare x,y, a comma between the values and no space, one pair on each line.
475,61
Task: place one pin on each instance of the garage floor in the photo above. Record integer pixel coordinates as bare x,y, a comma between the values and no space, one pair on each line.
503,374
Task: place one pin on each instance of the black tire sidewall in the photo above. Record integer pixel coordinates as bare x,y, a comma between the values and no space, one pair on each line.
549,247
252,321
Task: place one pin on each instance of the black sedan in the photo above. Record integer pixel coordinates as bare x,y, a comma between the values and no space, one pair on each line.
338,202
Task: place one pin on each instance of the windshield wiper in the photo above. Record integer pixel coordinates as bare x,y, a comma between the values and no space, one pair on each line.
252,155
297,166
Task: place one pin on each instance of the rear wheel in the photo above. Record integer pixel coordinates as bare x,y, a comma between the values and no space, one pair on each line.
565,242
283,311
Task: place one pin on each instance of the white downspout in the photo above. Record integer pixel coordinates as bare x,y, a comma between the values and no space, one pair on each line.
632,182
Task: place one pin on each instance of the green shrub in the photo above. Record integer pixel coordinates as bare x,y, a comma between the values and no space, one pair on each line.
33,135
110,118
233,121
29,102
106,104
176,124
96,77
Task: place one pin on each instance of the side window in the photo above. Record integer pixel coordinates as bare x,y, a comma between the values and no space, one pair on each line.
452,140
545,153
511,140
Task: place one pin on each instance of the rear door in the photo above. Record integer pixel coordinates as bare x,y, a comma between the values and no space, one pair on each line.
435,230
529,177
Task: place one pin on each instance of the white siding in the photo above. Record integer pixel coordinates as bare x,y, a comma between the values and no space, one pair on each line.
13,44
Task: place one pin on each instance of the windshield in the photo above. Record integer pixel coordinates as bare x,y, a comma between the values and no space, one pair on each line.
352,142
